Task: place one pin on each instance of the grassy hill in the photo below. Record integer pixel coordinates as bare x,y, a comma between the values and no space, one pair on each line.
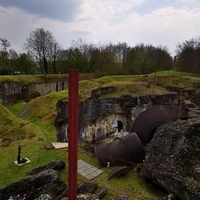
28,131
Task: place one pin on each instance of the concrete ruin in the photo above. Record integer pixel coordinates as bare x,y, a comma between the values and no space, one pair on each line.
112,116
9,90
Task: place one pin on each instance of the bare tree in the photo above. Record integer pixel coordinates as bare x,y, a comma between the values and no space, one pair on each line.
5,44
55,53
38,45
4,54
82,52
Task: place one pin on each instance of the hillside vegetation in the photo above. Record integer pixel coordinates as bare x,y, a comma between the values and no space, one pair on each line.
34,132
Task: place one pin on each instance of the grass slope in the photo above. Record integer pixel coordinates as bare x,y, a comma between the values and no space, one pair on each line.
26,131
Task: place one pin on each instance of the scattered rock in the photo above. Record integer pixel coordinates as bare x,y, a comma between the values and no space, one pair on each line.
46,182
123,197
102,91
173,157
25,112
86,187
40,139
49,146
84,197
56,165
6,141
6,144
44,197
30,135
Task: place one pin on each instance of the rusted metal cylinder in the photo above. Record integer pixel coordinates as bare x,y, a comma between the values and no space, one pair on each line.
146,123
121,151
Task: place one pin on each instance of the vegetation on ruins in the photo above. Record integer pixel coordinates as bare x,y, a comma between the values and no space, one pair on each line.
36,131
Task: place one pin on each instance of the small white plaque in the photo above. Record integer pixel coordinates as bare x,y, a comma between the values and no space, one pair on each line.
28,161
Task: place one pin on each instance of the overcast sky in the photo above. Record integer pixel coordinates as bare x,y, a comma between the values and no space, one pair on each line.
156,22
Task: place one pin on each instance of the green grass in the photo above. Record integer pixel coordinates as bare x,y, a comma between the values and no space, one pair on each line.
176,73
34,150
23,79
26,131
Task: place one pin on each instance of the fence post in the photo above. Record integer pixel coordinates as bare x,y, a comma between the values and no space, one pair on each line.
73,88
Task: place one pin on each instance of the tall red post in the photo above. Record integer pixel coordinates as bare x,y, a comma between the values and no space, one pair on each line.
73,87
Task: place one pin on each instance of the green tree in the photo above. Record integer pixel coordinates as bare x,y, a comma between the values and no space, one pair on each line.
144,59
95,61
13,56
110,62
25,64
188,56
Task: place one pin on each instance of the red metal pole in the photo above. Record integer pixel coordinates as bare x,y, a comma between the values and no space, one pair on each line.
73,87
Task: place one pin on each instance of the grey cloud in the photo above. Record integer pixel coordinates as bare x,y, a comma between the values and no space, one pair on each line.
64,10
2,11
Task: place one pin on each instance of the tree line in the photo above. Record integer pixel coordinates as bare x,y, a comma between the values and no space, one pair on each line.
43,54
188,56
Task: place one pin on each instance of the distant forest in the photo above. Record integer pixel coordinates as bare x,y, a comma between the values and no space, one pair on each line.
43,54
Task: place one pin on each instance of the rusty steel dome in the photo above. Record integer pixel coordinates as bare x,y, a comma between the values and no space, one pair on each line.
147,122
121,151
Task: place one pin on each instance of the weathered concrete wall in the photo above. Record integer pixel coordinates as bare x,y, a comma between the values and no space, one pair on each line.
106,124
10,88
98,116
45,88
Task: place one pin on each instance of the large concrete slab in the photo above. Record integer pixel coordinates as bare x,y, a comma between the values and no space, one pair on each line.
60,145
